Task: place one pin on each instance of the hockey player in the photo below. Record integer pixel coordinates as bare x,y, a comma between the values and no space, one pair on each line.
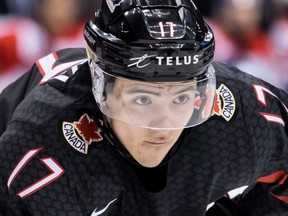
148,124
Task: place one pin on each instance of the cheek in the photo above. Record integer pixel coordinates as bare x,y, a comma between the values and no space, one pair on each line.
128,135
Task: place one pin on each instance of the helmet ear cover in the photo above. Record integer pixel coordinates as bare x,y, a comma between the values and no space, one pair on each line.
137,44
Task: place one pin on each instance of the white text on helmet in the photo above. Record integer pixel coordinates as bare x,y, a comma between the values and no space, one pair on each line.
170,61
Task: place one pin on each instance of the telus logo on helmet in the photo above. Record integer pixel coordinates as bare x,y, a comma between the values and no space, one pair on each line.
168,61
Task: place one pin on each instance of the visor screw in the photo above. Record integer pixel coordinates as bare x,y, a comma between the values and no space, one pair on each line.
178,74
155,74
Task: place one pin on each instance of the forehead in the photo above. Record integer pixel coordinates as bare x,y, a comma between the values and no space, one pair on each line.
127,85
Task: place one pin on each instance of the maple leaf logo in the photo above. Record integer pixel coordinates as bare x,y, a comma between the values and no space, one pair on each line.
209,99
217,110
88,130
198,102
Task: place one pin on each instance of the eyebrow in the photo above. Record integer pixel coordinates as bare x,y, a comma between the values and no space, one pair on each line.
145,91
190,88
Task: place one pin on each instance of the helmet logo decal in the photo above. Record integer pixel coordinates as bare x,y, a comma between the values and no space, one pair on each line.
112,4
170,25
139,60
168,61
80,134
224,104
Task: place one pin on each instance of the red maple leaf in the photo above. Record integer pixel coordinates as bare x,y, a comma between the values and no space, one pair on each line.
217,110
88,130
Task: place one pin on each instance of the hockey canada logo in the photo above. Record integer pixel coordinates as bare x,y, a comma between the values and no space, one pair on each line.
224,104
80,134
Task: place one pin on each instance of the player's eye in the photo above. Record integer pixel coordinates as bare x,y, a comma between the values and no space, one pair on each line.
182,99
142,100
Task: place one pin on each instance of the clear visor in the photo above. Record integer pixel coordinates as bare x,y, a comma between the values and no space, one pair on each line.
155,105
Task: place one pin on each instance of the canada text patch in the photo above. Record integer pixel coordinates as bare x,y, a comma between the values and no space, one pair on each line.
225,104
80,134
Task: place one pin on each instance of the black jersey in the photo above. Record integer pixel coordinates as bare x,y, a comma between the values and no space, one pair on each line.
59,157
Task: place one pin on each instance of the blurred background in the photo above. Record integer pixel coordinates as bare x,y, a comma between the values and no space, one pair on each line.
250,34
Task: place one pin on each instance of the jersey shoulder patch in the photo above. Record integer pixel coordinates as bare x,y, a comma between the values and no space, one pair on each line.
224,103
255,97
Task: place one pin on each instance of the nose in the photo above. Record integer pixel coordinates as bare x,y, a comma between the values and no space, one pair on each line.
163,117
162,123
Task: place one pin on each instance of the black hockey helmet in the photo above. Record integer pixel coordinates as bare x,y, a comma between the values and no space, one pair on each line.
153,41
